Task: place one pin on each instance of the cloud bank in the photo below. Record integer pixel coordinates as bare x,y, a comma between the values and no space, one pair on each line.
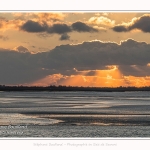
64,37
88,59
141,23
59,28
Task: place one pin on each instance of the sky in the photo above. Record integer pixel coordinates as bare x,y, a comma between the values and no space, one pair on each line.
97,49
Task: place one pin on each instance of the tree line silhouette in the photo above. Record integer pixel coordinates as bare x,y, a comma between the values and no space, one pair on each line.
72,88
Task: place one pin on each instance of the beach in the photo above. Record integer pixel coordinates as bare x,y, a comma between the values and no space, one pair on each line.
86,114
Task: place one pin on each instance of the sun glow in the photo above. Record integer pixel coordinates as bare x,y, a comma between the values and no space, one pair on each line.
111,77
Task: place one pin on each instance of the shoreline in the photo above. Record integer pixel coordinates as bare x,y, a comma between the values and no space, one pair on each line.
87,120
71,88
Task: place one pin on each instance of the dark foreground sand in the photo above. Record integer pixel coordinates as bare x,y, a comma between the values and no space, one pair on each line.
76,119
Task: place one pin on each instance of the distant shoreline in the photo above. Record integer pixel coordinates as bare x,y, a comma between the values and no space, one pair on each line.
72,88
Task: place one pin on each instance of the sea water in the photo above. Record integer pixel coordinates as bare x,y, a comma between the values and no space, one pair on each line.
74,114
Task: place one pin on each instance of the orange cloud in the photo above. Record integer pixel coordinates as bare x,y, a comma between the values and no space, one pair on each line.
111,77
48,80
49,18
101,21
79,80
95,81
21,18
40,16
137,81
100,28
10,24
54,16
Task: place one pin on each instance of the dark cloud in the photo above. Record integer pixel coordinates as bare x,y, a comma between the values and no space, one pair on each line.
82,27
64,37
131,56
141,23
135,70
59,29
22,49
120,28
62,29
32,26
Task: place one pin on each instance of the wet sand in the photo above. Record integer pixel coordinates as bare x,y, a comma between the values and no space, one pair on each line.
119,120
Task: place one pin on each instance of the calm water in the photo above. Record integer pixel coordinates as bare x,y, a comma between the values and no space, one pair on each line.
74,114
